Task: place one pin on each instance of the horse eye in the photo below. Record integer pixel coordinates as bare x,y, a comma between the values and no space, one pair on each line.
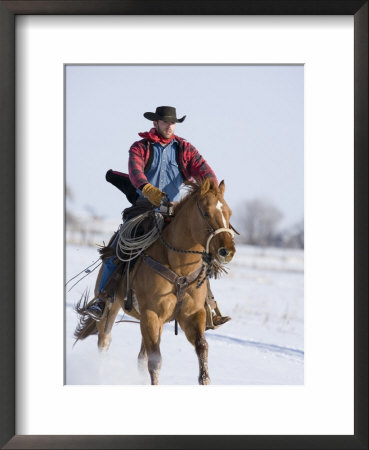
206,214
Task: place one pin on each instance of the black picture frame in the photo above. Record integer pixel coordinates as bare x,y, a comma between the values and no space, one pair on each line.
8,12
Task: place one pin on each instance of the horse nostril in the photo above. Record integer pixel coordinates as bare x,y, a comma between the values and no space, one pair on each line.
223,252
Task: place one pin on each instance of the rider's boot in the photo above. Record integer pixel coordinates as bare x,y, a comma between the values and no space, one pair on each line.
110,277
97,307
214,318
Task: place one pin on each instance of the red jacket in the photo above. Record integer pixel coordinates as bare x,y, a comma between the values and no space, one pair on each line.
190,163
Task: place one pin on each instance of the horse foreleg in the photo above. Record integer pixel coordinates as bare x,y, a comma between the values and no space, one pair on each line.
194,328
105,326
202,348
151,329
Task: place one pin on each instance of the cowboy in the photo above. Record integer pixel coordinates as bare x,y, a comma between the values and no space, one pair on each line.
158,165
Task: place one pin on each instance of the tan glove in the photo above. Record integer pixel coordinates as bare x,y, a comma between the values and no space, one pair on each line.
152,193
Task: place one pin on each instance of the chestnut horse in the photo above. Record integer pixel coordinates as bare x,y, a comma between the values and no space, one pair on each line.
200,231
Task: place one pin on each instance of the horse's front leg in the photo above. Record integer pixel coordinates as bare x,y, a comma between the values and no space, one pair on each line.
151,329
194,328
202,348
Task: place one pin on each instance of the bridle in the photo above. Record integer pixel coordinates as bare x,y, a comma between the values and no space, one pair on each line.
214,231
206,256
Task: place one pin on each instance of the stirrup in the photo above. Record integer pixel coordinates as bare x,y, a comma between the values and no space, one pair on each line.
100,312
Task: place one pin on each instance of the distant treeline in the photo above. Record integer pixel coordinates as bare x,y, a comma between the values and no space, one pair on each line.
258,221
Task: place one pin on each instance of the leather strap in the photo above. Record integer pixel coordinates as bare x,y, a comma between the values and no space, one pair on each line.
181,283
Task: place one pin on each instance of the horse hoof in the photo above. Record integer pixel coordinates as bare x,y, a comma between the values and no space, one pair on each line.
204,381
103,349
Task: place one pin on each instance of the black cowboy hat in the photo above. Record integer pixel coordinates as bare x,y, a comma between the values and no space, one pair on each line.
166,113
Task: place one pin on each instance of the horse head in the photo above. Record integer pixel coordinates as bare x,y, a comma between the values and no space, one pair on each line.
213,227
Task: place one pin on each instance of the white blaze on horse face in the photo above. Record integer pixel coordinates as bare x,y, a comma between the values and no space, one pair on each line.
219,208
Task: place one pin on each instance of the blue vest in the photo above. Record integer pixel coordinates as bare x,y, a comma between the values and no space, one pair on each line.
164,172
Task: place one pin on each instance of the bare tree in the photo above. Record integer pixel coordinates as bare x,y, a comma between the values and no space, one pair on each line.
293,237
300,234
259,221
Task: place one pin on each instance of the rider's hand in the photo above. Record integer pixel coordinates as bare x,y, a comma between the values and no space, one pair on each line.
152,193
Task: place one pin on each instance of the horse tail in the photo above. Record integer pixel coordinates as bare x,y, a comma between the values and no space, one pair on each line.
86,325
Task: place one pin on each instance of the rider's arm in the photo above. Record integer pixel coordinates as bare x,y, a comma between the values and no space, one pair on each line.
136,165
197,167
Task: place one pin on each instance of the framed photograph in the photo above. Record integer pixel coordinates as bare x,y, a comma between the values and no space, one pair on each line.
295,76
263,291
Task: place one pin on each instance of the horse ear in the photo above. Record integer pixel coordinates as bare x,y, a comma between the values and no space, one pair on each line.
205,187
222,187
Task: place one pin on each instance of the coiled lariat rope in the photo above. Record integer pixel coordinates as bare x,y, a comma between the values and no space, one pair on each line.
130,244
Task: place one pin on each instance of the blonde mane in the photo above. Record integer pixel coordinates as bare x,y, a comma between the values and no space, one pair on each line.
195,189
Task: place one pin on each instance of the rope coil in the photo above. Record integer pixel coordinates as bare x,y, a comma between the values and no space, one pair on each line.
129,245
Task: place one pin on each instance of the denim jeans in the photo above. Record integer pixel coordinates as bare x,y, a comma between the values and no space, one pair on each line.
108,267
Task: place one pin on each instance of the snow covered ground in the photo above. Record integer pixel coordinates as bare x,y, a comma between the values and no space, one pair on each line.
263,344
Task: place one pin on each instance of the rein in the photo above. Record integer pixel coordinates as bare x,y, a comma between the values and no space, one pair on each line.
206,257
205,254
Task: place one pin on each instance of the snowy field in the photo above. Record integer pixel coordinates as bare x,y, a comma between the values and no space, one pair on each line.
263,344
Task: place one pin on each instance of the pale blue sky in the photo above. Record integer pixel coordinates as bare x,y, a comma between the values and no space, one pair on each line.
246,120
